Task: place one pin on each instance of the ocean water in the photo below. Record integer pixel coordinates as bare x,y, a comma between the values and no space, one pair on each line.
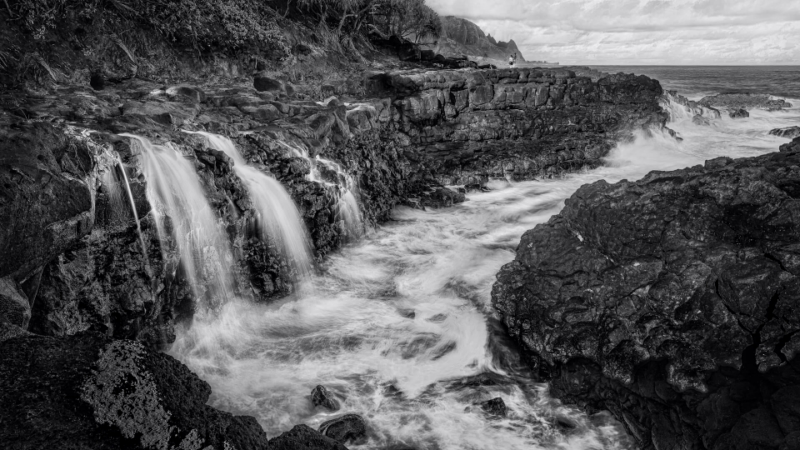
399,325
695,82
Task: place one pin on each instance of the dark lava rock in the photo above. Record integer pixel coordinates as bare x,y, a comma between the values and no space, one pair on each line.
740,113
303,437
788,132
45,203
97,82
348,427
321,396
793,146
700,120
441,197
266,84
494,407
85,392
671,302
736,101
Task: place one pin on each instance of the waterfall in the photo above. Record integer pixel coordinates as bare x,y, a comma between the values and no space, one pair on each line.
112,183
278,217
348,208
181,209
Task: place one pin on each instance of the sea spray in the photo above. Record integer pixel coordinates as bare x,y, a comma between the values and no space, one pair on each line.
181,210
277,215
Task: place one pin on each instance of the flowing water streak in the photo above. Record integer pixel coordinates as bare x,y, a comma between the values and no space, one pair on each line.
278,217
180,206
346,188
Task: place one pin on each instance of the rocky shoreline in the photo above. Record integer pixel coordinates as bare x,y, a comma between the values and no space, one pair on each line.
672,302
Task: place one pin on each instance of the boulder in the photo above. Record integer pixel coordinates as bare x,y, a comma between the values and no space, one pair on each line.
788,132
303,437
46,198
349,427
740,113
90,393
701,121
263,83
321,396
14,306
495,407
671,301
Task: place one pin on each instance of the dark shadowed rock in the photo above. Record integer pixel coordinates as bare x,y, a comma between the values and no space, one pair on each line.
303,437
670,301
746,101
264,83
494,407
45,196
321,396
14,306
84,392
346,428
740,113
788,132
701,121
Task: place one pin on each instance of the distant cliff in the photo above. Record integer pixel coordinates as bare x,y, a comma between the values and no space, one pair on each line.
462,37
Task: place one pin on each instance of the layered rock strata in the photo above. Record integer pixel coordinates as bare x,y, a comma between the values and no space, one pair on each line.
514,123
672,302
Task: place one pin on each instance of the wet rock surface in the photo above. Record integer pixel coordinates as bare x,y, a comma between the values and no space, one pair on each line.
321,396
671,302
495,407
746,101
303,437
789,132
344,429
740,113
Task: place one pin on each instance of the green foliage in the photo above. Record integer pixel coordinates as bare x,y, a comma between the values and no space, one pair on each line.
203,24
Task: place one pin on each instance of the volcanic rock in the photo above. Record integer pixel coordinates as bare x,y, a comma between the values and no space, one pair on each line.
494,407
349,427
670,301
702,121
303,437
320,396
740,113
788,132
746,101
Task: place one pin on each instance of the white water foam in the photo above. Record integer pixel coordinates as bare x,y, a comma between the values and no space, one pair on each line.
182,210
278,217
400,326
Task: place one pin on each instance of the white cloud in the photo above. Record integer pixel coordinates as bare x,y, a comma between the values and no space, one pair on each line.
641,31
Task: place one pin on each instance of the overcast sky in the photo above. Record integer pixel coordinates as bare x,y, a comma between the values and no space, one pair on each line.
630,32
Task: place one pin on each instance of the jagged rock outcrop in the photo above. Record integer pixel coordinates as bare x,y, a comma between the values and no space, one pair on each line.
745,101
740,113
462,37
788,132
90,393
672,302
512,123
693,108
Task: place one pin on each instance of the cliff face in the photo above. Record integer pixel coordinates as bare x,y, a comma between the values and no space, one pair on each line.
514,123
672,302
462,37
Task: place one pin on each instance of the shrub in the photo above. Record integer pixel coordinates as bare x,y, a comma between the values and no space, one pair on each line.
203,24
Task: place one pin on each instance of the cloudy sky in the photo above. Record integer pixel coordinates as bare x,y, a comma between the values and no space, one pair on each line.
630,32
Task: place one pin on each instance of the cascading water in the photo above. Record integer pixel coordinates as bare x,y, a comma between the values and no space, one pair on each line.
278,217
345,187
182,210
400,326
